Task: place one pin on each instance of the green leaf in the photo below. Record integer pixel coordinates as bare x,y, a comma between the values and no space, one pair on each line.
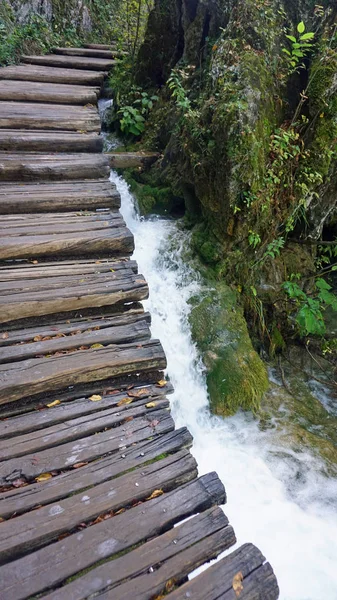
291,38
307,36
321,284
286,51
301,27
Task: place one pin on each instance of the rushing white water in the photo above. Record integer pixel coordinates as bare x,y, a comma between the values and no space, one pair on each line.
277,499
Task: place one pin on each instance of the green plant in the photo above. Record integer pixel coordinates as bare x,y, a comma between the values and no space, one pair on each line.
254,239
300,46
132,121
145,103
178,92
309,316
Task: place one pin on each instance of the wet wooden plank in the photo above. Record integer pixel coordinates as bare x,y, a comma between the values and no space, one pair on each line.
18,140
44,167
44,417
175,552
92,52
58,196
30,91
37,375
71,62
53,564
97,241
52,75
29,224
37,528
51,295
25,115
123,334
259,581
125,160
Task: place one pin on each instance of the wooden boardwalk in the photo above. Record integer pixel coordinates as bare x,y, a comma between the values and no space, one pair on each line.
93,473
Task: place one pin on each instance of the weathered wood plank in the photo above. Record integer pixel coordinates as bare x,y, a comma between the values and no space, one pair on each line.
69,293
86,449
37,528
52,75
196,541
24,115
36,375
259,581
36,420
77,428
96,241
20,500
53,564
15,140
30,91
58,196
30,166
30,224
111,335
71,62
125,160
92,52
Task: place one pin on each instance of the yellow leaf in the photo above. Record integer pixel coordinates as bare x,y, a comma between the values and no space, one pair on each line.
124,401
95,398
150,404
44,477
55,403
94,346
162,383
155,494
237,583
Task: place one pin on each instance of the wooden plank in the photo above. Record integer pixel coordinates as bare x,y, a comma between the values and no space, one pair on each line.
52,75
125,160
30,91
37,375
53,564
27,224
259,581
71,62
44,417
86,449
35,529
74,429
30,166
25,115
58,196
20,500
175,552
63,294
92,52
15,140
111,335
98,242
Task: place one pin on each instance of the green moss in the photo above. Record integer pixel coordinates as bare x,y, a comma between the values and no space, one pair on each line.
236,376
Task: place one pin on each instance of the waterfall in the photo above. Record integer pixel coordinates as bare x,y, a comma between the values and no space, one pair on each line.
286,512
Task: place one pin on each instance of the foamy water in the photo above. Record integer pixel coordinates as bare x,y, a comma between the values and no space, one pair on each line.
277,497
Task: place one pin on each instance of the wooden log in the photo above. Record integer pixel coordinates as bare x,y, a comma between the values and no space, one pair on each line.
25,115
65,411
58,196
71,62
17,272
52,75
53,564
38,375
258,580
29,531
101,242
77,428
35,167
64,294
92,52
111,335
176,552
21,500
86,449
15,140
126,160
32,91
43,224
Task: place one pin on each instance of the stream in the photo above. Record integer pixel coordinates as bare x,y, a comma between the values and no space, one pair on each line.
278,498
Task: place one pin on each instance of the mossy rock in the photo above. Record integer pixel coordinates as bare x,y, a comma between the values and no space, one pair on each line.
236,376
